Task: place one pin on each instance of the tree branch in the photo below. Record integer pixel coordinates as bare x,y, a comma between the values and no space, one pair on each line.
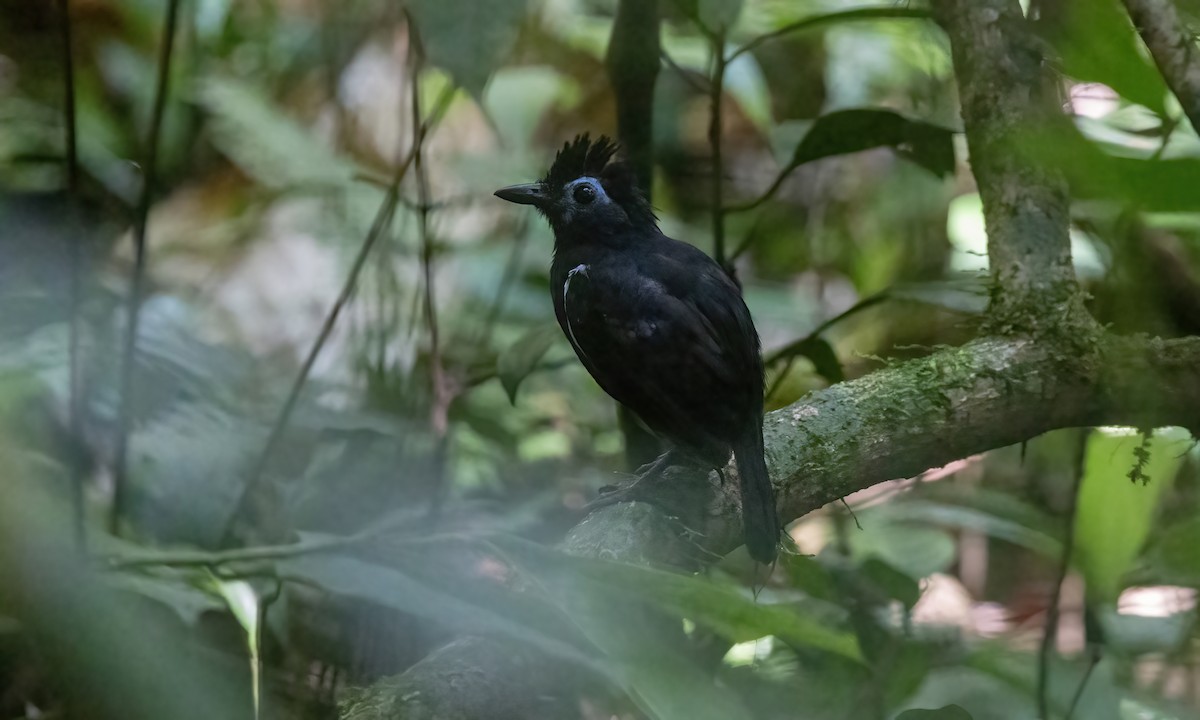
1003,96
1173,47
893,423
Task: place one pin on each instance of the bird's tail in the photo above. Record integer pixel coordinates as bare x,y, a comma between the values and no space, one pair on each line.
761,526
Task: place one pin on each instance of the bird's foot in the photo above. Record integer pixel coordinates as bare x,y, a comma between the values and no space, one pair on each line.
643,485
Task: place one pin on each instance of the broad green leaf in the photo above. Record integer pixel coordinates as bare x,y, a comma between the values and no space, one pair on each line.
949,712
664,683
522,357
467,38
891,582
913,548
1015,523
721,608
818,351
808,575
266,143
850,131
1114,515
1148,183
391,587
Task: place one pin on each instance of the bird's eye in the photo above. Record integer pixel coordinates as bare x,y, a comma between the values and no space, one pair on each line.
584,194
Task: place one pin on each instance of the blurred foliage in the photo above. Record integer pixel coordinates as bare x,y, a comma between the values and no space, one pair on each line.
417,486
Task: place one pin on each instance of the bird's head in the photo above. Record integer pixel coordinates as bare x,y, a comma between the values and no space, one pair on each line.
586,193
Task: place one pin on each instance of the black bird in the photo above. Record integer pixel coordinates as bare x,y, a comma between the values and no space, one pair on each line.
659,325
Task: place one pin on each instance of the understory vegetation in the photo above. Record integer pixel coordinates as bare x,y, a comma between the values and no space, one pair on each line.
289,429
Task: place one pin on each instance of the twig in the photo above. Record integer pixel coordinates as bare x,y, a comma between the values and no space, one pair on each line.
766,194
511,266
791,348
382,220
129,355
75,239
866,13
68,60
1093,661
441,397
1050,633
204,558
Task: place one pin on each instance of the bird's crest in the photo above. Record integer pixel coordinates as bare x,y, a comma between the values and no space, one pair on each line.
580,157
583,156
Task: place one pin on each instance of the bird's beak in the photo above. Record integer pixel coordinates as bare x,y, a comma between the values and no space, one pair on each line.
527,194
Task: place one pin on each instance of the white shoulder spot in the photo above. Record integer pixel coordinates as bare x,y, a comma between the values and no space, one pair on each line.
580,268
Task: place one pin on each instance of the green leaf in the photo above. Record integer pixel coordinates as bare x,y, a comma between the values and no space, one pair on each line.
721,608
664,683
467,38
818,351
808,575
521,358
850,131
718,15
1113,516
993,515
172,590
265,142
481,609
1151,184
1107,52
950,712
891,582
912,548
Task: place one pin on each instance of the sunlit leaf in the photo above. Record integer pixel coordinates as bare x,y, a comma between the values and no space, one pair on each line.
1114,515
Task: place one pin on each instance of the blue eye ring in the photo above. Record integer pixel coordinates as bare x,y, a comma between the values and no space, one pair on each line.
584,194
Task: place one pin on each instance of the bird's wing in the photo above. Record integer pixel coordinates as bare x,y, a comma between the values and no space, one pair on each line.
671,339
